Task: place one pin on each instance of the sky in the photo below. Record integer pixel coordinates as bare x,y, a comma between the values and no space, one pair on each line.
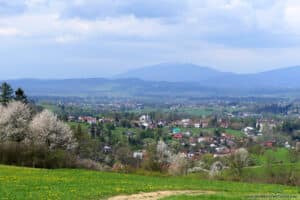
101,38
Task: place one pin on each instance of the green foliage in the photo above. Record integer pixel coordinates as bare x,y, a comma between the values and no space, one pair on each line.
13,153
272,156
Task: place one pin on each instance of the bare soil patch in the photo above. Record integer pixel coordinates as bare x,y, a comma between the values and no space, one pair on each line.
159,195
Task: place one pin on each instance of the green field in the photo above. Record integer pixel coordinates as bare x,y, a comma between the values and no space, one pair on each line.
26,183
195,112
278,155
84,126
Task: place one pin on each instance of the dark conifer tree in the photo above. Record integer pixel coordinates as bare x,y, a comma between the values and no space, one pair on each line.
20,96
6,93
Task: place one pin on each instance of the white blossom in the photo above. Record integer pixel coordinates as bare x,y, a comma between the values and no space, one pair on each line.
179,164
14,120
163,152
46,129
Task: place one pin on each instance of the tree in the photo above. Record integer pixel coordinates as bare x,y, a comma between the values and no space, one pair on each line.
216,168
93,130
46,129
178,165
163,152
14,120
239,160
20,96
124,155
217,132
78,133
298,146
214,121
99,129
6,93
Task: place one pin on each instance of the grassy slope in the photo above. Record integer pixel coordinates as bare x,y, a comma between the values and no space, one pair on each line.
26,183
221,196
277,155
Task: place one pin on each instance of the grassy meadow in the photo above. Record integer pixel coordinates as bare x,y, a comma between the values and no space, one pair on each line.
27,183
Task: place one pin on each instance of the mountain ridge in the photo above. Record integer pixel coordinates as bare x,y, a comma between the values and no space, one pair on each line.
275,82
173,72
282,77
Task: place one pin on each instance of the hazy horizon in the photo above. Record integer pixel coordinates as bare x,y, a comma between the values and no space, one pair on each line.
117,73
92,38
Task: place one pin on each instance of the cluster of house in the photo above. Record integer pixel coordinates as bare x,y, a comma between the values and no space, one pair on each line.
219,146
262,125
90,120
146,122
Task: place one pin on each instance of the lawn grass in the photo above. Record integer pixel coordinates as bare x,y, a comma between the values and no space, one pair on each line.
51,107
236,196
221,196
265,170
27,183
278,155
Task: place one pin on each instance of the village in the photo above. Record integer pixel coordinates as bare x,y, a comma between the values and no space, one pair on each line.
193,138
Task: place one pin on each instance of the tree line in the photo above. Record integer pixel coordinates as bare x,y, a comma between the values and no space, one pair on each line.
30,137
7,94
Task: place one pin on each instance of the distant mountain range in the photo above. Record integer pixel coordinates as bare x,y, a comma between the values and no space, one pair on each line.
205,76
171,81
172,72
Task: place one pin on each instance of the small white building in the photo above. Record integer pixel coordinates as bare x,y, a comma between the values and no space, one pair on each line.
197,125
185,122
145,119
249,131
287,145
138,154
187,133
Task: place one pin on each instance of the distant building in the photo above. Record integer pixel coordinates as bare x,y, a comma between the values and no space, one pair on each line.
249,131
187,133
178,136
269,144
107,149
89,120
71,118
287,145
197,125
204,124
185,122
145,119
138,155
175,130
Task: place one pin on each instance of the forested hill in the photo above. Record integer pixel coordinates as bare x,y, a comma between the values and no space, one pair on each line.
139,88
287,77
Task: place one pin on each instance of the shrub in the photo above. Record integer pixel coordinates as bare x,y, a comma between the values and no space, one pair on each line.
13,153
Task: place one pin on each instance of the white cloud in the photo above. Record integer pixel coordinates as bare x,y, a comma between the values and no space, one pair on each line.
213,32
292,16
219,20
52,26
8,32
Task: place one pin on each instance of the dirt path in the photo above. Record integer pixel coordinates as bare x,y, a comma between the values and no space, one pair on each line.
159,195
